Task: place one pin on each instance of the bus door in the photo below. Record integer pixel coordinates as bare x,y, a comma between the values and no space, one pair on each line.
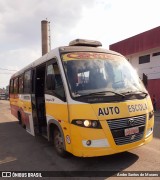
55,99
33,101
38,101
27,102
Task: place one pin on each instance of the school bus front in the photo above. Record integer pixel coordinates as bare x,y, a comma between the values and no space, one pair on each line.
110,110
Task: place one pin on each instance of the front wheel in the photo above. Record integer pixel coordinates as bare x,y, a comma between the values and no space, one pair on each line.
59,143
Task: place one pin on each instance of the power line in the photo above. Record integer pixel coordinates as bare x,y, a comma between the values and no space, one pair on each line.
7,73
7,69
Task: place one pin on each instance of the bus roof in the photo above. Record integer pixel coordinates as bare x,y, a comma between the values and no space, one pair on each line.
63,49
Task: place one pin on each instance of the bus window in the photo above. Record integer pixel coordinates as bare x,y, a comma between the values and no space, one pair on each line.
11,86
27,82
21,84
16,86
54,82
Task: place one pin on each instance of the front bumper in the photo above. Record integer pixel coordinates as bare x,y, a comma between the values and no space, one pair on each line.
88,142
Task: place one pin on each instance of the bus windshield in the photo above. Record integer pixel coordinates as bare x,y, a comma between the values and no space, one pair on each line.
99,72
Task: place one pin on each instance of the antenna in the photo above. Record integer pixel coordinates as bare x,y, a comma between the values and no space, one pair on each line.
49,36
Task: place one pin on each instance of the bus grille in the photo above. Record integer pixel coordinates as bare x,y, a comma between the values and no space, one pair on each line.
118,126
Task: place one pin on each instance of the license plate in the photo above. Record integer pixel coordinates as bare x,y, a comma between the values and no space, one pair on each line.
131,131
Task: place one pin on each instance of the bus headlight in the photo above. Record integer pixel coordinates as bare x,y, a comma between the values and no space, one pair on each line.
87,123
94,124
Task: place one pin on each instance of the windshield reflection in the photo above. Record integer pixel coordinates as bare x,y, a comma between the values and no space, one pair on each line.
90,76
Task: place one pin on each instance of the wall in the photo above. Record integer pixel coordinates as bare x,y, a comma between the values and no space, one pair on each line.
154,89
141,42
151,69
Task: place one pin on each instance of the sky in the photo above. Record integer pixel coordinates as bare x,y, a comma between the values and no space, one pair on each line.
108,21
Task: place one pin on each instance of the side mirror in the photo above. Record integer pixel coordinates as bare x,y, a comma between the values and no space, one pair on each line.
145,80
50,82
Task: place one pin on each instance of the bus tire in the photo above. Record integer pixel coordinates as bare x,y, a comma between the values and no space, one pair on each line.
58,143
19,118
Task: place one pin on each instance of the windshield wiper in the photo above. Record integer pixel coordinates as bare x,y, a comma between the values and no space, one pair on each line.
104,93
136,92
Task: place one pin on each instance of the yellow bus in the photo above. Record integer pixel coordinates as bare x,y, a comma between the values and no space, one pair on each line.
87,100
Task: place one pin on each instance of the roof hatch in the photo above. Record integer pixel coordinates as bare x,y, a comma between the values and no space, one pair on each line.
85,42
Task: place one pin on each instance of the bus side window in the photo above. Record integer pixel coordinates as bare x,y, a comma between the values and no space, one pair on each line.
54,84
20,82
16,86
11,86
27,82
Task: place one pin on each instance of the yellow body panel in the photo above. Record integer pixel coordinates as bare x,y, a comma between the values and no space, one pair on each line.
65,113
57,111
90,111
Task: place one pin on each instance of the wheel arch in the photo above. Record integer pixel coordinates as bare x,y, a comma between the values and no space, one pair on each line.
52,124
19,116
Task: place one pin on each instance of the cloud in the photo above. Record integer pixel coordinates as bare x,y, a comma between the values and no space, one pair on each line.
20,20
13,60
20,28
106,20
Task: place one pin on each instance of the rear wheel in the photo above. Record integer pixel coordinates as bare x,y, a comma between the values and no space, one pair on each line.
59,143
19,118
20,121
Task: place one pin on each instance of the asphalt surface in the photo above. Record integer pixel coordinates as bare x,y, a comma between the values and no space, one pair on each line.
19,151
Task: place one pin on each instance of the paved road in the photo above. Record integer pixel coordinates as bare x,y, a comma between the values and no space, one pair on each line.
20,151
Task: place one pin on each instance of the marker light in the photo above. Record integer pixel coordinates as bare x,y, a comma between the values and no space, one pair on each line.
151,114
79,122
88,142
149,132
